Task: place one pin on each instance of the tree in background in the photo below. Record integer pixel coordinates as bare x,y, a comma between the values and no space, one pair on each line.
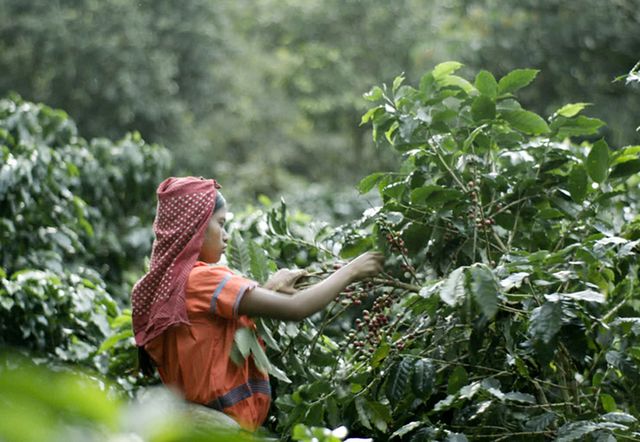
580,48
265,95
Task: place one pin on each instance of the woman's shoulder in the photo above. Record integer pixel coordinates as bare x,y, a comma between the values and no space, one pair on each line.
202,271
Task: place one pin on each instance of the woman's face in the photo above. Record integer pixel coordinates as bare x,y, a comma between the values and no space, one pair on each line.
215,238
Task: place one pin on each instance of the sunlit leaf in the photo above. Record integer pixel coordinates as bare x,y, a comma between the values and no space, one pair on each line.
515,80
526,121
486,84
446,68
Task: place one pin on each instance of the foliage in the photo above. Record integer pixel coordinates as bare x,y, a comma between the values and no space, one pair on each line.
74,228
66,201
509,305
579,47
39,404
64,315
265,96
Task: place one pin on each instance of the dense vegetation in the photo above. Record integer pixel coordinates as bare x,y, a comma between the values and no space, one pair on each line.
287,76
508,308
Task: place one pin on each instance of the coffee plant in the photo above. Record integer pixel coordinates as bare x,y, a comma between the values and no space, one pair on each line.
74,222
508,309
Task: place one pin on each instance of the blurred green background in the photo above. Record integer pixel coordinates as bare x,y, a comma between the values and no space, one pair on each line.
265,95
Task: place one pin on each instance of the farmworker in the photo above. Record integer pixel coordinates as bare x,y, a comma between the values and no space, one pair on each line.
187,309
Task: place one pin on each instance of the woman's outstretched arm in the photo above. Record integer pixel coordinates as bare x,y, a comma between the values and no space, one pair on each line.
262,302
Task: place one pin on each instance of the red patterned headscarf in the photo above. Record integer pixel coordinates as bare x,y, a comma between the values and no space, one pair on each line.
158,299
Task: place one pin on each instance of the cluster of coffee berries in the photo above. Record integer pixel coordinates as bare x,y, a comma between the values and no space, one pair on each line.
396,243
401,343
373,325
353,296
484,223
473,190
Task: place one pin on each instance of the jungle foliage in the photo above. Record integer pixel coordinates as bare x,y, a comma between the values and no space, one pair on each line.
287,75
508,308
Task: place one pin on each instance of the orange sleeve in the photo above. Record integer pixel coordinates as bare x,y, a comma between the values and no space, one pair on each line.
217,290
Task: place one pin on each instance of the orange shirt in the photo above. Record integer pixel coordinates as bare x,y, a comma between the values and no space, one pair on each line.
195,358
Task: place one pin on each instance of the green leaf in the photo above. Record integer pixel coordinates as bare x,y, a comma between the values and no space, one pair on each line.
484,288
380,354
367,183
114,339
278,374
625,169
483,108
397,82
608,403
426,83
446,68
423,378
398,380
513,280
571,109
598,161
452,291
407,428
265,333
380,415
515,80
516,396
459,82
575,127
526,121
486,84
433,196
374,94
545,321
457,380
238,254
577,183
369,115
243,339
363,414
236,356
619,417
260,358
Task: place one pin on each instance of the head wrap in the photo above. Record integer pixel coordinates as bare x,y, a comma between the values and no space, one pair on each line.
184,208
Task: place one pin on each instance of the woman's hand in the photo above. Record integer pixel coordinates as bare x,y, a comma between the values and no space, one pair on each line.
367,265
268,301
283,281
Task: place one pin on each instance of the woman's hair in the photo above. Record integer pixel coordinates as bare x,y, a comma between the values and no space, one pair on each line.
220,202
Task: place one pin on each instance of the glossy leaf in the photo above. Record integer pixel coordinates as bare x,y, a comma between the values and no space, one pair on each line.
398,380
572,109
577,183
453,290
484,289
483,108
598,161
515,80
444,69
423,378
486,84
525,121
546,321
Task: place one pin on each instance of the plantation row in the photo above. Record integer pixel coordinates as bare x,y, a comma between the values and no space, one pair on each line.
508,309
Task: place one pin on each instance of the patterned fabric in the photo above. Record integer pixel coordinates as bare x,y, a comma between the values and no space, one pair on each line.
158,299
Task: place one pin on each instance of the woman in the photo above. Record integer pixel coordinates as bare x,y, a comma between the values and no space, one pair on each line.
187,309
